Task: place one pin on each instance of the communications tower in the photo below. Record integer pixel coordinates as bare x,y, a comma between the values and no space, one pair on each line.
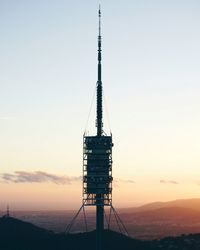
97,160
97,165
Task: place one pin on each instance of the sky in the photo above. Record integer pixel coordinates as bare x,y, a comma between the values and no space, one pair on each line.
151,83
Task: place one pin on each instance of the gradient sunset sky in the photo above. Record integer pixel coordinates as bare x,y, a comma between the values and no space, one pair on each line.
151,80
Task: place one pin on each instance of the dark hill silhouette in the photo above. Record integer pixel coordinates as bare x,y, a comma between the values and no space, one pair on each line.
19,235
12,228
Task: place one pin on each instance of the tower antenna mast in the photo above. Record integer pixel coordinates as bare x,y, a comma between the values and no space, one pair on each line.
99,123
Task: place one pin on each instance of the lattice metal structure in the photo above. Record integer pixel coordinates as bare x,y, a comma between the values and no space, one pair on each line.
97,170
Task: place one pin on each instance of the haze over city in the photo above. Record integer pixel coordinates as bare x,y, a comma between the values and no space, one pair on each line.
150,61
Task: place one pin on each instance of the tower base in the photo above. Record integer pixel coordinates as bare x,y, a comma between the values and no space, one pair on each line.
100,214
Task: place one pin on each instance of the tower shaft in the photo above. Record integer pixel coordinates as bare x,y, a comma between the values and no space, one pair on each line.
99,226
99,200
97,161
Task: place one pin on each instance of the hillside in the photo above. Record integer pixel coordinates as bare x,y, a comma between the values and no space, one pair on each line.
16,234
13,228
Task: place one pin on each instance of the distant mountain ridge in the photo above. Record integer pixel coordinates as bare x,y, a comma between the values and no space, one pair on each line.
161,219
193,203
169,212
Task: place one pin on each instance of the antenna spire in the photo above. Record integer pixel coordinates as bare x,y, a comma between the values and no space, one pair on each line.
99,20
99,123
